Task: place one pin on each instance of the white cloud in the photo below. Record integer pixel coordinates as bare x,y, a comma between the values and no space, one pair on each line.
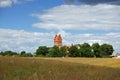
110,38
8,3
18,40
83,17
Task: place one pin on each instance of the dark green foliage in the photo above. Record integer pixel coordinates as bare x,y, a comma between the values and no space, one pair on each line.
73,51
63,51
28,55
79,50
106,49
96,49
42,51
8,53
24,54
1,53
54,52
11,53
85,50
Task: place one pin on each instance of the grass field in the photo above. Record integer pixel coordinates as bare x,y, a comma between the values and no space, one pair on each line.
19,68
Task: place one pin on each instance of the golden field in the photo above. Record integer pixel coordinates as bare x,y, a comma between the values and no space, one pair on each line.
103,62
35,68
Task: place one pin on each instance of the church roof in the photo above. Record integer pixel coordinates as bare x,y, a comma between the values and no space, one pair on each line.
58,37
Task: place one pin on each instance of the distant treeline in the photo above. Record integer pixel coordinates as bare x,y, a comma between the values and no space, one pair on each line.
11,53
79,50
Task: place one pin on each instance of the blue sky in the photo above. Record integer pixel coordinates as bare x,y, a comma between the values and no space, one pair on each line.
27,24
20,13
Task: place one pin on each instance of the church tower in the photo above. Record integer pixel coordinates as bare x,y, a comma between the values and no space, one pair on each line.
58,40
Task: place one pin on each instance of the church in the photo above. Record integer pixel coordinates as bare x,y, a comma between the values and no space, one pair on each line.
58,40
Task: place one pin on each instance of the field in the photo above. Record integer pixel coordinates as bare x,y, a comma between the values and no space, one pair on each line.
20,68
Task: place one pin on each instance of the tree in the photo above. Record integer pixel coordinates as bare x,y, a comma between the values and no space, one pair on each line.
54,52
9,53
63,51
22,53
73,51
106,49
25,54
28,55
85,50
96,49
2,53
42,51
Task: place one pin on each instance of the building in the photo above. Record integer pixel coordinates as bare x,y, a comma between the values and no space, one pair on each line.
58,40
116,55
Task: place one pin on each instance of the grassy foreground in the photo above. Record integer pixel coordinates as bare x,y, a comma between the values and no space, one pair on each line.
18,68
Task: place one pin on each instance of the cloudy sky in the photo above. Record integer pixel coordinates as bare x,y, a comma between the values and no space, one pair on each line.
27,24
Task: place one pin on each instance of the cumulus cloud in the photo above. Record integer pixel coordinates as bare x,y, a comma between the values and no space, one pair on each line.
110,38
92,2
8,3
19,40
83,17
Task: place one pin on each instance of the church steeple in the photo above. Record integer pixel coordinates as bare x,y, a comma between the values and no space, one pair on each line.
58,40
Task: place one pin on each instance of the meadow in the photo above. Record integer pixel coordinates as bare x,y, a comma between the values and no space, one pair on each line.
35,68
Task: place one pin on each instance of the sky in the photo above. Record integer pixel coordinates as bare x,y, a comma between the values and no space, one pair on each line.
27,24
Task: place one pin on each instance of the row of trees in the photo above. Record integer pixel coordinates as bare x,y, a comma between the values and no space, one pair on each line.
79,50
11,53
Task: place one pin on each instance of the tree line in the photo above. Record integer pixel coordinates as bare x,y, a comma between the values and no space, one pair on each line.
11,53
79,50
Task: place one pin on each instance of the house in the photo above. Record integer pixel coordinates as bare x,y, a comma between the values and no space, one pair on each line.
116,55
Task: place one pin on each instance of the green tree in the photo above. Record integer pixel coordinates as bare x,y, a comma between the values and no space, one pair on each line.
2,53
73,51
25,54
96,49
22,53
42,51
9,53
63,51
54,52
85,50
28,55
106,50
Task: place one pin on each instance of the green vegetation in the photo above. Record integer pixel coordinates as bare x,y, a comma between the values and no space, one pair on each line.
86,50
20,68
11,53
63,51
54,52
42,51
96,50
106,49
24,54
73,51
79,50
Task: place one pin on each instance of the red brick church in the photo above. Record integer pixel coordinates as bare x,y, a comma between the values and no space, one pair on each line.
58,40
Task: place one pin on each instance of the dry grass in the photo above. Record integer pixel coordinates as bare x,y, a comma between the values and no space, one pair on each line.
18,68
103,62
